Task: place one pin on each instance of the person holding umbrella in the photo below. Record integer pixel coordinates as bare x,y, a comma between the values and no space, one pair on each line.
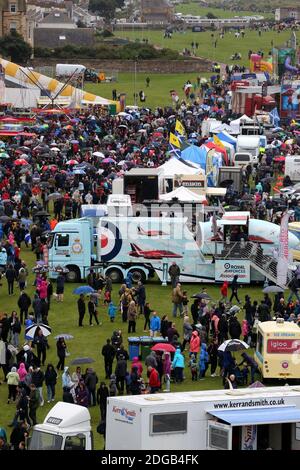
81,309
42,344
61,348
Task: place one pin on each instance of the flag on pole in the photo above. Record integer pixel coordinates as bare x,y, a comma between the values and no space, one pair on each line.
179,128
174,146
218,142
173,140
283,255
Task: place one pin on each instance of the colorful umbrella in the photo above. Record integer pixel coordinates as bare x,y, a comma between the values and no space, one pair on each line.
166,347
20,161
83,290
72,162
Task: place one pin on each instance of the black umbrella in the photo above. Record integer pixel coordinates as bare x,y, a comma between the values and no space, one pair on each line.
82,360
233,345
202,295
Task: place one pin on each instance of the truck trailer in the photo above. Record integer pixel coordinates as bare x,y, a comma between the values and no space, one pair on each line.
148,245
240,419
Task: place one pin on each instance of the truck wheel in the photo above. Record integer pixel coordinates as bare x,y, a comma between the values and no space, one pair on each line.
73,275
138,275
115,275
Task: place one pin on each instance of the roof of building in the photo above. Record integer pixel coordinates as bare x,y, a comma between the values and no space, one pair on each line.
59,37
57,16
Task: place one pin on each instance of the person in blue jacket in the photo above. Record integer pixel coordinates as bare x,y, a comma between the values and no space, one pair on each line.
203,361
128,280
154,324
178,365
112,311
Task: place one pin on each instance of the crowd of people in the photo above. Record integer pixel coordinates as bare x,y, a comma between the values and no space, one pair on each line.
67,160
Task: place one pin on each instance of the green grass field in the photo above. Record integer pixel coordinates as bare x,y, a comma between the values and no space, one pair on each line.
225,47
88,341
193,8
158,93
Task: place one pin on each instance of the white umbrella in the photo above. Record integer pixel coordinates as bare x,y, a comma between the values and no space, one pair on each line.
55,149
122,162
30,331
99,154
233,345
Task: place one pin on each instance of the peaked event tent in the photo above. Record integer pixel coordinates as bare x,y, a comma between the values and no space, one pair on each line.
195,154
175,167
182,194
235,125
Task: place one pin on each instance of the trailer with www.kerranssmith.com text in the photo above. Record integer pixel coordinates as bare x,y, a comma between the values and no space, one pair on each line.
242,419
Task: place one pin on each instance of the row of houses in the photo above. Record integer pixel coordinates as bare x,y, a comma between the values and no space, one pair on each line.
48,23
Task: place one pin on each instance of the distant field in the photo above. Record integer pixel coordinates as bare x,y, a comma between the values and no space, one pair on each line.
194,8
158,94
225,47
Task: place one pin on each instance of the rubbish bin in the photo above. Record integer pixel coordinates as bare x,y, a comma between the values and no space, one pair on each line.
134,347
146,345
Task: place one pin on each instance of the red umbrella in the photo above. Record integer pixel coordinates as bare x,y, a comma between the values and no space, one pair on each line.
166,347
72,162
20,161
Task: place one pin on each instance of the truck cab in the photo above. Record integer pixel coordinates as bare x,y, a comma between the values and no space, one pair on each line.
66,427
72,241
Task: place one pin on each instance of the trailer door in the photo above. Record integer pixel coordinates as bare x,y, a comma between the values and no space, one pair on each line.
219,436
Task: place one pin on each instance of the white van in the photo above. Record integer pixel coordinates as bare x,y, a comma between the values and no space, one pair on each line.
242,159
292,167
249,144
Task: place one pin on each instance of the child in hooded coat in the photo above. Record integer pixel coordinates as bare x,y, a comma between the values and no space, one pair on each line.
22,372
112,311
203,361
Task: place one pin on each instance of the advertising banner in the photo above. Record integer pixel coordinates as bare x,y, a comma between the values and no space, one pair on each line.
290,100
282,346
225,270
249,438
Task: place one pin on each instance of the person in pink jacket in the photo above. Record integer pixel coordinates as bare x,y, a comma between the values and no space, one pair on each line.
245,330
138,364
43,289
195,343
22,372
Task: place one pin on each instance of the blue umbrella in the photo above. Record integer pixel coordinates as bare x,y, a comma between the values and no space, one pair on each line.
83,290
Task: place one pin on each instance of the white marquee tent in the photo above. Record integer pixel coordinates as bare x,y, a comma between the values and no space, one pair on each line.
174,167
182,194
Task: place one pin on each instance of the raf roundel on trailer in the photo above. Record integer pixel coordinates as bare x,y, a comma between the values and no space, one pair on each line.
111,241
